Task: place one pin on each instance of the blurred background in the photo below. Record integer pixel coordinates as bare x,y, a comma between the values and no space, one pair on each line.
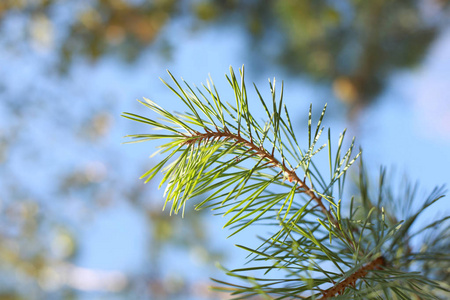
75,221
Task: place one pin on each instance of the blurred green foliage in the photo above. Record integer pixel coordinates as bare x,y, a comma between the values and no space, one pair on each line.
354,44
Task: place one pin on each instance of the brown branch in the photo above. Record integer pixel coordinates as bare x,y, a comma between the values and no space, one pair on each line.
264,154
351,280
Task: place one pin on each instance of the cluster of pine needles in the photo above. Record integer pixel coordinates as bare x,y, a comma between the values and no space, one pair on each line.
324,244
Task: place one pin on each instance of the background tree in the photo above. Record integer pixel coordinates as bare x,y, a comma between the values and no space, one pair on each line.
354,44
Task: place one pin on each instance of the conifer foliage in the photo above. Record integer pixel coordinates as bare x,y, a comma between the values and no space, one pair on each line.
322,244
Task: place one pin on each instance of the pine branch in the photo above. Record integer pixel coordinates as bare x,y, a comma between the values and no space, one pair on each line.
339,288
219,151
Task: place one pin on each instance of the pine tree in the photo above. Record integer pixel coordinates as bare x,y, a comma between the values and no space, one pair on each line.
324,243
